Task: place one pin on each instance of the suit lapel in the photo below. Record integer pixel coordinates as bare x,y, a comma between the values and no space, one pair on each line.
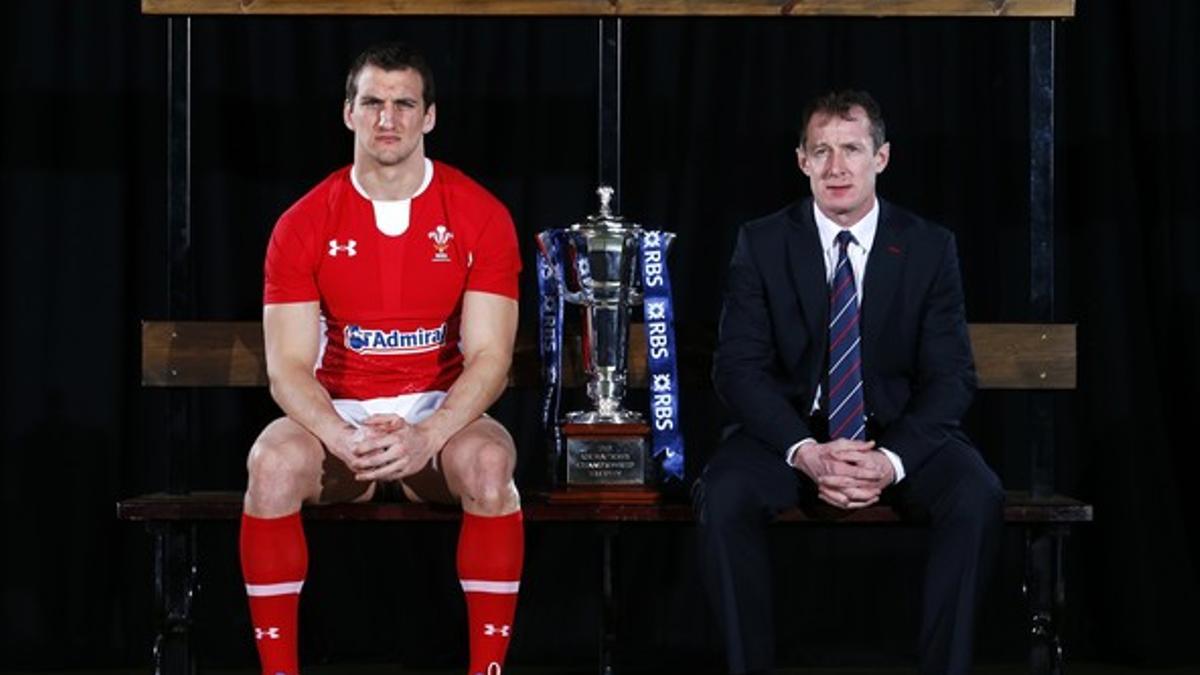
883,271
808,269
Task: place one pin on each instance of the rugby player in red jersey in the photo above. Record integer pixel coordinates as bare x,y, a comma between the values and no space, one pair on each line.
390,310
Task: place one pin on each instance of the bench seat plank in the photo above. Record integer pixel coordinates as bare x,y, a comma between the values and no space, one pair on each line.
1021,507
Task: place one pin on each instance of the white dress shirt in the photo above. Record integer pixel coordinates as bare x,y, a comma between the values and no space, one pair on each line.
857,251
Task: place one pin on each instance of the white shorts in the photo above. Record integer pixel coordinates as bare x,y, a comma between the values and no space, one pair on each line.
412,407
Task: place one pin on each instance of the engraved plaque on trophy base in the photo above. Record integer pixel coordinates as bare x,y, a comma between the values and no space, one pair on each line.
607,462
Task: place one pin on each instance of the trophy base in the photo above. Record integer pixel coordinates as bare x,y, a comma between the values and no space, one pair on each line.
595,417
604,494
607,455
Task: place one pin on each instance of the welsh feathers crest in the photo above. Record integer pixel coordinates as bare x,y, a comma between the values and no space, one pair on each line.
441,241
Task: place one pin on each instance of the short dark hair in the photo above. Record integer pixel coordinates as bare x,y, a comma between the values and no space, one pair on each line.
841,103
391,56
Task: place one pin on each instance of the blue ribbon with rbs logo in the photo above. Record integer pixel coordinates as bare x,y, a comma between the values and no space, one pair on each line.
550,331
666,436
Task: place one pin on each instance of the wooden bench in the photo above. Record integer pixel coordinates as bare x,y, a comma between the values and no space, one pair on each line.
230,354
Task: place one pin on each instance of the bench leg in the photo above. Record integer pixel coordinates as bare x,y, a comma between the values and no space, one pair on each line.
1045,591
608,582
175,584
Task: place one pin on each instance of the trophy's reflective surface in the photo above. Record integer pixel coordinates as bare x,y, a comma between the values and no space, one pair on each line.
603,258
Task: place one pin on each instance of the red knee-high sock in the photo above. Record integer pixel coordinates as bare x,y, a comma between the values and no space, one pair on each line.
490,554
274,564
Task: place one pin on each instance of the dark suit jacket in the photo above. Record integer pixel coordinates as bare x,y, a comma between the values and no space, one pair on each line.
918,372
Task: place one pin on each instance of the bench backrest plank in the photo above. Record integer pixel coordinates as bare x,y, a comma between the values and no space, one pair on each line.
230,354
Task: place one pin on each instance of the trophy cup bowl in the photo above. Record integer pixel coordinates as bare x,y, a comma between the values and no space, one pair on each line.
608,292
606,445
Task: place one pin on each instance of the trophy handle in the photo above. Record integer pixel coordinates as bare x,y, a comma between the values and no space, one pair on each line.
577,298
580,297
583,278
635,297
634,292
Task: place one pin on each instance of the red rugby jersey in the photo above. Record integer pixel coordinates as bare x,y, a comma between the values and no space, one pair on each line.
391,304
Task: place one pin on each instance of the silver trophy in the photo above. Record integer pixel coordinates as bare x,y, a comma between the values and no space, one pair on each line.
603,253
606,445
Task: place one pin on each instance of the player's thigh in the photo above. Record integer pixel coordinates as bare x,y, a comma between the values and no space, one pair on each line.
287,453
482,451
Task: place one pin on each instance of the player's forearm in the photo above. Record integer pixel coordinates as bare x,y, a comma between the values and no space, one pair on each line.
482,381
305,401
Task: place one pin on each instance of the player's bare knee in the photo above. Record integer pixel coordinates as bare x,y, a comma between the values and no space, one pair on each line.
494,462
277,471
489,477
494,499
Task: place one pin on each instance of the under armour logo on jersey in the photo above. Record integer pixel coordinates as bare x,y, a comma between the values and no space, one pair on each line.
348,248
271,632
441,241
490,629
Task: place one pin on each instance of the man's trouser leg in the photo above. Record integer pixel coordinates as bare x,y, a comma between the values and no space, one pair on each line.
743,487
965,504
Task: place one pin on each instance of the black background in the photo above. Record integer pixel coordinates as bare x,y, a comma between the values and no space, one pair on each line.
710,109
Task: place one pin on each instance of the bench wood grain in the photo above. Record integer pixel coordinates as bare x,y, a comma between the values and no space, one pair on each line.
230,354
799,8
1020,507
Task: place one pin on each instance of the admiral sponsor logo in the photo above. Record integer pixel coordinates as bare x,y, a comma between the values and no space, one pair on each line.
441,241
394,342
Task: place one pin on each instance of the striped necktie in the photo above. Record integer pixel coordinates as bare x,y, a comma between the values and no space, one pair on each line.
846,418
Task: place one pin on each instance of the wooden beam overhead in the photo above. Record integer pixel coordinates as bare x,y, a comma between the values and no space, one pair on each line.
1041,9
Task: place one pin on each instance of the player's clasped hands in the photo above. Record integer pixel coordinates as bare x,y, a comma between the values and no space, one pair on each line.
386,447
359,447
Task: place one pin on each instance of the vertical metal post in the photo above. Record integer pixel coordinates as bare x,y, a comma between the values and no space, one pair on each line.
175,585
609,107
1041,235
180,286
175,543
610,615
608,138
1045,591
1043,581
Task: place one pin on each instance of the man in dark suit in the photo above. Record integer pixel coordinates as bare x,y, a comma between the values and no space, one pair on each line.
844,358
